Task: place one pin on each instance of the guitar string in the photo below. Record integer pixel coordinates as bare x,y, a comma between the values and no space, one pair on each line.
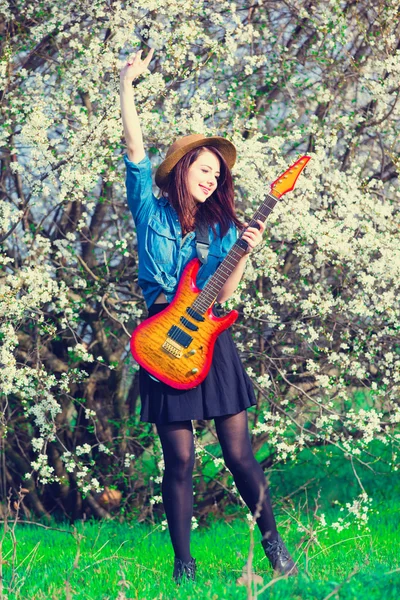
207,295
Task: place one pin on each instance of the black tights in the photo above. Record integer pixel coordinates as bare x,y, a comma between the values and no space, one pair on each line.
177,488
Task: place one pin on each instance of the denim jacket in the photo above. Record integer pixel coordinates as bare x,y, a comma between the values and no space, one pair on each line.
162,253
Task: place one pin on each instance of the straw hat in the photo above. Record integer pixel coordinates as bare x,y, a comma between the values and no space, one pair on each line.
182,146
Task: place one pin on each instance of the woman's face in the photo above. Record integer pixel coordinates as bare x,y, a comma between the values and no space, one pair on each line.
202,178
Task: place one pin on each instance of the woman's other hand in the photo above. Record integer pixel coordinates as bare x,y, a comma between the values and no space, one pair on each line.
136,66
253,235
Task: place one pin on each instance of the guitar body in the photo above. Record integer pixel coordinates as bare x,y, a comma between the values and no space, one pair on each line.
154,343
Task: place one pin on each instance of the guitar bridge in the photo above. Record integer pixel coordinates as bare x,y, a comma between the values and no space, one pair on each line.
172,347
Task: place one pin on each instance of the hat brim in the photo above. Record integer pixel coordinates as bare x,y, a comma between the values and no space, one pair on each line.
226,148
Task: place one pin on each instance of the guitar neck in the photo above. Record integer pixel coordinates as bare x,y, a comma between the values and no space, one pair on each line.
216,282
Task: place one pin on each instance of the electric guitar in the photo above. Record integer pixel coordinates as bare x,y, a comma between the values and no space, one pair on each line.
176,345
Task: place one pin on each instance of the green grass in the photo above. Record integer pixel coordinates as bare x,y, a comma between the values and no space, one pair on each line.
138,560
111,560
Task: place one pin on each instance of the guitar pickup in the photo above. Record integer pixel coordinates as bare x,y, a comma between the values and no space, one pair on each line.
194,314
188,324
179,336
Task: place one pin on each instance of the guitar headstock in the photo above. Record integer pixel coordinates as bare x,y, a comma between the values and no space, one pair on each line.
286,182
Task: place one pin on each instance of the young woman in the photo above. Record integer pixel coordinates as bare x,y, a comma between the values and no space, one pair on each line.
196,189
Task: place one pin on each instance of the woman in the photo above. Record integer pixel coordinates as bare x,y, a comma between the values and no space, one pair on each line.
196,186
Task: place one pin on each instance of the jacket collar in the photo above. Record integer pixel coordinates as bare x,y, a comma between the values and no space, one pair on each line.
162,201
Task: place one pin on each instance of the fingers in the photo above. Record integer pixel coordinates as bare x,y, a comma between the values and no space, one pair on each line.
136,60
260,227
253,235
249,236
138,57
149,57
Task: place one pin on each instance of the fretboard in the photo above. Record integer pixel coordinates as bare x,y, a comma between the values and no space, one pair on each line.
211,290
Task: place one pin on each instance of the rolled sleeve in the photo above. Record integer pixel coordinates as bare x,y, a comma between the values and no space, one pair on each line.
139,189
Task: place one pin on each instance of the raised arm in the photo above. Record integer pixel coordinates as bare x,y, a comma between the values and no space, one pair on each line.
130,120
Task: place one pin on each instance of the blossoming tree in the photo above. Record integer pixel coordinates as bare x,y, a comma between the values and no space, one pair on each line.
320,317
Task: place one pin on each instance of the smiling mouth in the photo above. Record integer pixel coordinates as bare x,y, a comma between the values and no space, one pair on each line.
205,189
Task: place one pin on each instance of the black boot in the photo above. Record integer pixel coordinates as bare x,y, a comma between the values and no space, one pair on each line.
182,569
279,557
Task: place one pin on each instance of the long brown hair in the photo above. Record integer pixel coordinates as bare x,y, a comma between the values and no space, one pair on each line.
218,208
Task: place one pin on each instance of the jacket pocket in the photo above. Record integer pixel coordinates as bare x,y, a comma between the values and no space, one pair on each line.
161,243
215,257
215,254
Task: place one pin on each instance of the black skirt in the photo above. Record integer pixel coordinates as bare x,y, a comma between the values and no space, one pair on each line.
226,390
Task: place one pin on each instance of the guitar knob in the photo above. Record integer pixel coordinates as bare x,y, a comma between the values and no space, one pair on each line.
194,371
192,352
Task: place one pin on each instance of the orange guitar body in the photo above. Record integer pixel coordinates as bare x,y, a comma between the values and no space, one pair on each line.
181,368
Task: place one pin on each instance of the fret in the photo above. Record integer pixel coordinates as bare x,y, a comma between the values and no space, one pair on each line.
227,268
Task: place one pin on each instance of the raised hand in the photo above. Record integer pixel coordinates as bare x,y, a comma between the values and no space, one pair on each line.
136,66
